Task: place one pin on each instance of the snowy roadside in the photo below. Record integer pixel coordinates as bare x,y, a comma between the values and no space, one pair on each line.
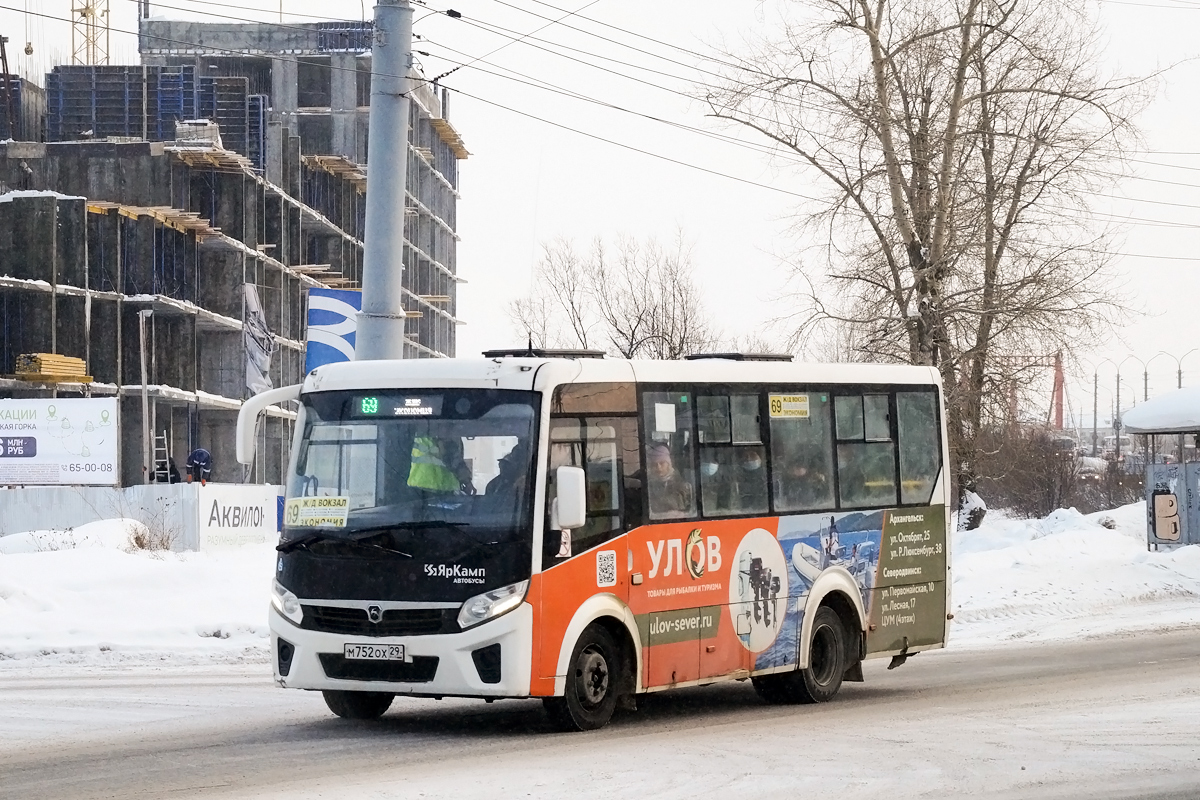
1068,577
84,599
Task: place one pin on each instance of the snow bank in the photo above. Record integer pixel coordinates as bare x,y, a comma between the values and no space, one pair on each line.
85,597
111,533
1068,576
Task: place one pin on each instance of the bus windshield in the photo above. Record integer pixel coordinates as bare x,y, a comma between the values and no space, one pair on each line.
415,459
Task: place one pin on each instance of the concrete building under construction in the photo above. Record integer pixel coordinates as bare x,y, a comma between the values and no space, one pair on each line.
233,156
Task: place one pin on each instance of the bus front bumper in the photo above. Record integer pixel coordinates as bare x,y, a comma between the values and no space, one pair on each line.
433,666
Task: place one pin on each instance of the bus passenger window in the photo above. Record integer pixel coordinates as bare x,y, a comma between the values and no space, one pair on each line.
744,408
670,479
801,452
866,455
712,419
733,480
920,451
876,425
866,474
849,412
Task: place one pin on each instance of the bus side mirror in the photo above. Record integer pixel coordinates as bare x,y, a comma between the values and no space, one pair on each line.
247,423
572,497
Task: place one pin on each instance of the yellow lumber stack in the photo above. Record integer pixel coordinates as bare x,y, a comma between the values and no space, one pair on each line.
51,368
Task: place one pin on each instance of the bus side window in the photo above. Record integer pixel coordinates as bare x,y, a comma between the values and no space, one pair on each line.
801,451
920,451
865,452
733,468
607,451
670,476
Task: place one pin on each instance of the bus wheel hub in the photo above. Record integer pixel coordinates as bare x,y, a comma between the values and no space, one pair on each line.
594,671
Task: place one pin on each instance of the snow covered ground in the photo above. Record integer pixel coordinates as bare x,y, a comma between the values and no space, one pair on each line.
86,598
1068,576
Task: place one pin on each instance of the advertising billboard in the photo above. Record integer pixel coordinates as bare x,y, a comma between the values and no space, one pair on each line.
332,322
55,442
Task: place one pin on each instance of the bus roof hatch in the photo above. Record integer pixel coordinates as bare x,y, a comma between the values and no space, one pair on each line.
741,356
537,352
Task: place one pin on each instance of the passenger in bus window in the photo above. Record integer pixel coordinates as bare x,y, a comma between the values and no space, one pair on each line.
803,486
716,481
670,494
866,474
751,480
513,471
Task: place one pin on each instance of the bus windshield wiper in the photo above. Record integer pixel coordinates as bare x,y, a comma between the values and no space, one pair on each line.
306,540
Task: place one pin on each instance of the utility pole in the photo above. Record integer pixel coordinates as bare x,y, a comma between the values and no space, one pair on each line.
1117,422
380,332
1095,407
143,315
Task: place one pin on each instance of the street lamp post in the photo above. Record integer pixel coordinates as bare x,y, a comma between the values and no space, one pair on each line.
1096,403
1179,367
1117,418
1150,360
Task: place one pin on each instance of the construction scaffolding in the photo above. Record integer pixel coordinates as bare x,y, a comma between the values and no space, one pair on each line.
233,158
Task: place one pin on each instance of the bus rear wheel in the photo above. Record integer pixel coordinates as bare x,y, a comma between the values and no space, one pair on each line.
818,682
358,705
593,681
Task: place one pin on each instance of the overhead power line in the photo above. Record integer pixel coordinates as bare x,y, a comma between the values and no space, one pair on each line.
536,83
519,39
657,155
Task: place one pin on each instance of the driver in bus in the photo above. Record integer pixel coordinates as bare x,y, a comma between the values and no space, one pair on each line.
670,495
435,467
513,469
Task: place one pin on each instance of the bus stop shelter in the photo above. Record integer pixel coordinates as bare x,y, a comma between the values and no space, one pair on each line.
1172,490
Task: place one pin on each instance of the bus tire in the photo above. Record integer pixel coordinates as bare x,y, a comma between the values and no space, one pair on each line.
822,678
593,682
358,705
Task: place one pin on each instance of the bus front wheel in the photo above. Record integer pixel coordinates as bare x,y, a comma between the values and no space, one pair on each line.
592,685
822,678
358,705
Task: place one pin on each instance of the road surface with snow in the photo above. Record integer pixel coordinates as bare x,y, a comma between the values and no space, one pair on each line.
1102,718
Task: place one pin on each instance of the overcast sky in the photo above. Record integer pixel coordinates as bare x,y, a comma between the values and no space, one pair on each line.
528,182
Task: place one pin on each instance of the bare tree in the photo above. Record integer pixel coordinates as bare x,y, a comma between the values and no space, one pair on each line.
637,302
558,311
956,143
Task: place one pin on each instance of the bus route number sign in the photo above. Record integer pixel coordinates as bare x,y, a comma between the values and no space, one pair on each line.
789,406
313,512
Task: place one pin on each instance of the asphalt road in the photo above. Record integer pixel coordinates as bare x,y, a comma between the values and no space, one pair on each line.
1112,718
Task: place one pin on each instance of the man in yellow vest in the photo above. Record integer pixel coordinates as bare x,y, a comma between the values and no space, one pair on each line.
429,470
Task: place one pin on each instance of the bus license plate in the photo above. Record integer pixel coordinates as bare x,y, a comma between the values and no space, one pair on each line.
374,652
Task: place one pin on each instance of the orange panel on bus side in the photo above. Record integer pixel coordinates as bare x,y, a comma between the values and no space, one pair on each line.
721,597
712,597
561,590
694,594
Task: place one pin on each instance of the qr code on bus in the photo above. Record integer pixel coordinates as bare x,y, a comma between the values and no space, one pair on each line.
606,568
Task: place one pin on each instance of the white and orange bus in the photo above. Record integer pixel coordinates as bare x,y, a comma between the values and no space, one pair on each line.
585,529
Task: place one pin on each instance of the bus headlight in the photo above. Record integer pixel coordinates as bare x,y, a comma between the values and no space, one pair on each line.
490,605
286,603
